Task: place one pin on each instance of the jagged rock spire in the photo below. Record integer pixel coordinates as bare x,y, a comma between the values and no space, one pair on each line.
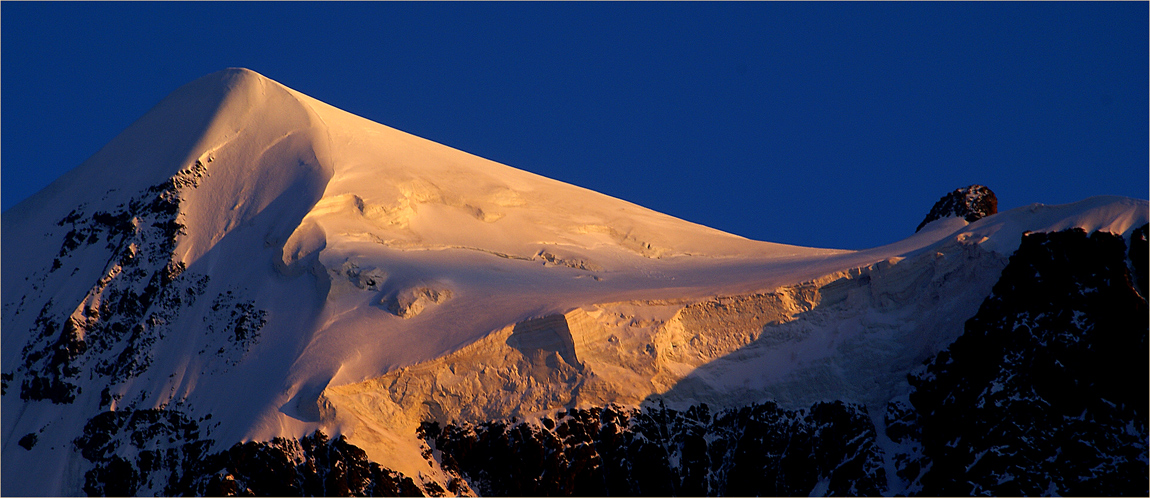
972,203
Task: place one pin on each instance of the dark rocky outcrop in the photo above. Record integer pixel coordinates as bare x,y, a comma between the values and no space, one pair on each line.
142,288
970,203
164,443
758,450
1046,391
1139,256
28,441
311,466
166,453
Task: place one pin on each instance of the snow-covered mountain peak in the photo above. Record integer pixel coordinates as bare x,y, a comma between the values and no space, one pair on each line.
250,261
259,142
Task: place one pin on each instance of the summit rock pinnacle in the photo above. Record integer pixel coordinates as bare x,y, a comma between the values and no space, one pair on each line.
971,203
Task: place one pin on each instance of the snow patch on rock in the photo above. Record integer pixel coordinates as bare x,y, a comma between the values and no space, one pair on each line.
411,301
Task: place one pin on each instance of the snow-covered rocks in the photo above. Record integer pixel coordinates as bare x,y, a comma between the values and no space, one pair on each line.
360,278
411,301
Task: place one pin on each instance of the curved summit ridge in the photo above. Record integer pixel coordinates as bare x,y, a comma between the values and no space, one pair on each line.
262,135
418,194
413,193
246,263
267,155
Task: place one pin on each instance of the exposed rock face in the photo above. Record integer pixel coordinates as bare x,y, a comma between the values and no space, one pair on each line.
1139,256
758,450
1046,391
134,451
311,466
971,203
111,330
165,453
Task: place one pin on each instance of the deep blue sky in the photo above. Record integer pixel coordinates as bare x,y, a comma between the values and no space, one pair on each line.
821,124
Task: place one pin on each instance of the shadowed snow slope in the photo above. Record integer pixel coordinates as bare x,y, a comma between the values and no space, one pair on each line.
248,253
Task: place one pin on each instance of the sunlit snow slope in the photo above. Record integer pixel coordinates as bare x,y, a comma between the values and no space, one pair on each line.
300,268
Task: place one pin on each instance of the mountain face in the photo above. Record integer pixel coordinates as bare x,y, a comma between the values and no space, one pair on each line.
1046,391
251,292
